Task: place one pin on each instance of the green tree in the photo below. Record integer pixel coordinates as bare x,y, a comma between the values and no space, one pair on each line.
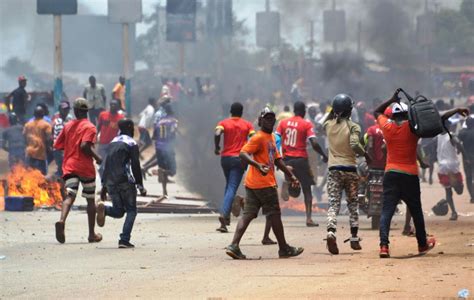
454,33
467,9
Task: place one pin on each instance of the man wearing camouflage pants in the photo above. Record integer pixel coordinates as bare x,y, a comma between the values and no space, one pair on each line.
343,138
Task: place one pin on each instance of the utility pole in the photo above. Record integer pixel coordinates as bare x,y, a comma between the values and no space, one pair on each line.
359,37
334,43
126,68
58,61
268,54
311,38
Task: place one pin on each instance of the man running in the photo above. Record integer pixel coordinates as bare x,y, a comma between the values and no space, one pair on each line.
165,136
122,177
401,172
236,131
295,132
466,135
77,140
450,177
261,154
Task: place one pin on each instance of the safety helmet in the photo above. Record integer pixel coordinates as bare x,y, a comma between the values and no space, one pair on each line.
266,111
294,191
342,103
399,108
441,208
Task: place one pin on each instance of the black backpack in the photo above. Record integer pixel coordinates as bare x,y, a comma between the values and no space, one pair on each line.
441,208
423,116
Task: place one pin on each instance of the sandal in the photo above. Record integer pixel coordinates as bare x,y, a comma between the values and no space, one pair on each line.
60,236
100,218
268,241
234,252
97,238
290,251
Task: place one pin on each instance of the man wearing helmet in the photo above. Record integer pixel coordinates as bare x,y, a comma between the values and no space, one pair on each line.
343,137
261,154
401,171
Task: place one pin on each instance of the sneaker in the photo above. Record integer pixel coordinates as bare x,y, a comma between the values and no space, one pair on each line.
125,244
384,252
234,252
100,209
430,244
331,243
454,216
290,251
355,245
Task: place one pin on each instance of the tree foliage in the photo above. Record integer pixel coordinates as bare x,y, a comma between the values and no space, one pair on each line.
454,31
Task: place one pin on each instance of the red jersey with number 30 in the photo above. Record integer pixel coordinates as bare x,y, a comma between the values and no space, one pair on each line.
294,132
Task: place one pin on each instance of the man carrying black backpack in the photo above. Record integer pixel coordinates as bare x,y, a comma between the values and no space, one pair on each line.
401,172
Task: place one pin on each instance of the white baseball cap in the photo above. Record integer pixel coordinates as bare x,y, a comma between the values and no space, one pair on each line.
399,108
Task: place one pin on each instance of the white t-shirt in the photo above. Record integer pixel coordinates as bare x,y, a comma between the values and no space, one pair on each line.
146,117
448,160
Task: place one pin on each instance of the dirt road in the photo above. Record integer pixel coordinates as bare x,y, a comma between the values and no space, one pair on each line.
183,257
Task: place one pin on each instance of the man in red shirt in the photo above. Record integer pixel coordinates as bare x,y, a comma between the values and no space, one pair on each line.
295,132
77,140
401,172
366,119
376,148
236,131
107,129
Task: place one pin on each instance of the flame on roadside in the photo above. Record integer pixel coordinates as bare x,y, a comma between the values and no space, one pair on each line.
23,181
298,205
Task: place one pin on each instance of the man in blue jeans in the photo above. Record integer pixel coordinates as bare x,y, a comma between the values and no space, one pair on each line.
236,131
121,178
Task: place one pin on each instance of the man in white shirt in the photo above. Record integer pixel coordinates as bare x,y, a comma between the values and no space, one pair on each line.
145,123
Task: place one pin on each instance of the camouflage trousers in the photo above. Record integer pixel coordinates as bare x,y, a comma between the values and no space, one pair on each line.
348,182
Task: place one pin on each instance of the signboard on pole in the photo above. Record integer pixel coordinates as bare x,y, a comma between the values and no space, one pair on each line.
56,7
125,11
181,20
268,29
334,25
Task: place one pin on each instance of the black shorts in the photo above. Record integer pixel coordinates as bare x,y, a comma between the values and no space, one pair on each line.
166,160
301,169
266,198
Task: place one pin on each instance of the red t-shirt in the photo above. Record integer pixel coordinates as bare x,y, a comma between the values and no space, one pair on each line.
369,120
236,131
401,146
75,161
294,132
379,158
108,126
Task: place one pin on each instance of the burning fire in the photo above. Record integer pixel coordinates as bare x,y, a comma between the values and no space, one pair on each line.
298,205
24,181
